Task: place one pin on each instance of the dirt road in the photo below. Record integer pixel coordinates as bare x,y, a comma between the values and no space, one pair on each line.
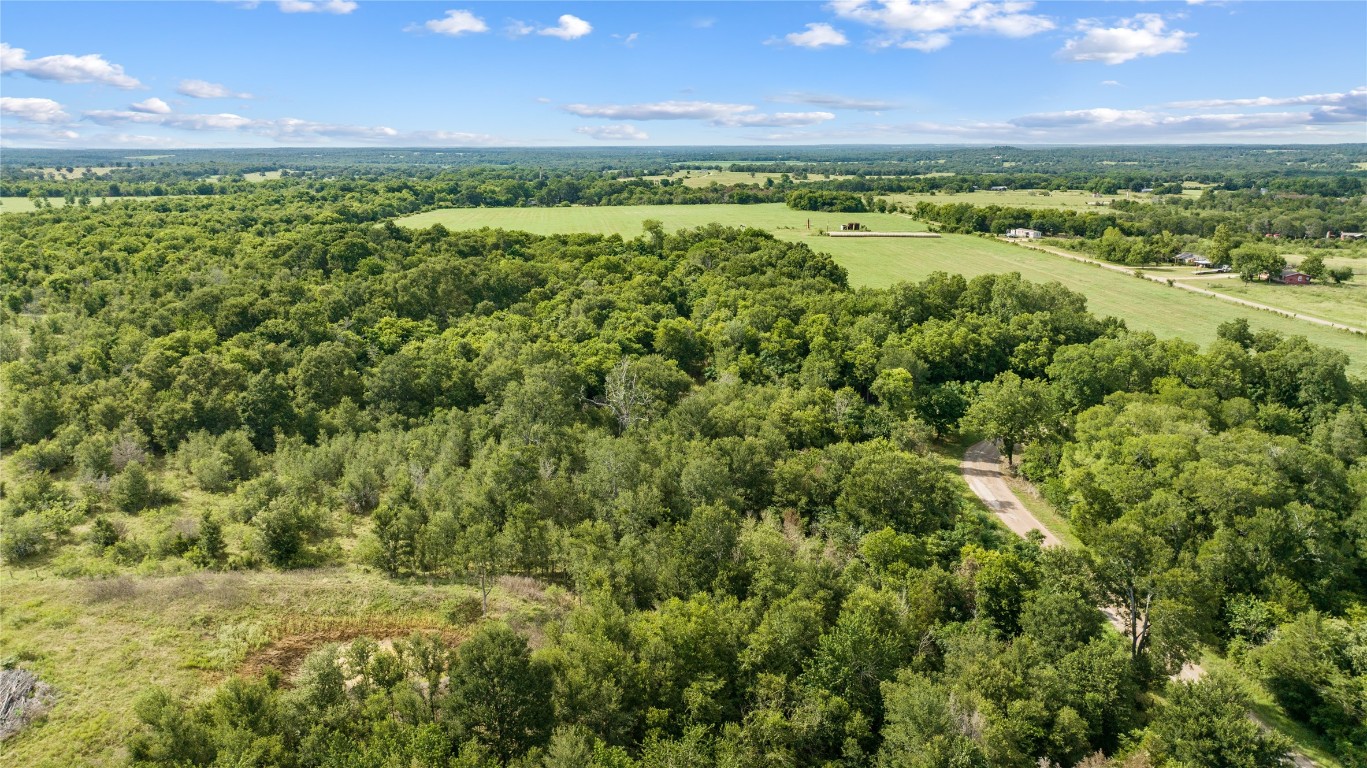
981,468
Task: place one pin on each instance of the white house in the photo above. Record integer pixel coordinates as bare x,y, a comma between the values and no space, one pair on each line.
1028,234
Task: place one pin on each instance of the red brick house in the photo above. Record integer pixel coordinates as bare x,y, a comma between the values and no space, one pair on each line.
1292,277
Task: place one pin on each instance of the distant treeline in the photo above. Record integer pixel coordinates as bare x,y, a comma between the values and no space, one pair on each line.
1287,216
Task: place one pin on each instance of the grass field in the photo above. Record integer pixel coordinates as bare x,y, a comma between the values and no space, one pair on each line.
100,643
626,220
24,205
78,172
699,179
1345,303
1144,305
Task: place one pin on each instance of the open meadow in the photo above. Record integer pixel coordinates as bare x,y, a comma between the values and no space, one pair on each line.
876,262
101,643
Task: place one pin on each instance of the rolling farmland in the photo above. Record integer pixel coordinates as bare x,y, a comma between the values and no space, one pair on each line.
877,262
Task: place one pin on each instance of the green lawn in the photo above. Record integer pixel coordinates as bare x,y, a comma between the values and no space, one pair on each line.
1144,305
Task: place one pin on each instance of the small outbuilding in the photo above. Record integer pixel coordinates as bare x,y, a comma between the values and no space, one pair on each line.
1027,234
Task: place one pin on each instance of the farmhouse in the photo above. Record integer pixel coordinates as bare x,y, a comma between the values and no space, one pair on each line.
1352,235
1028,234
1292,276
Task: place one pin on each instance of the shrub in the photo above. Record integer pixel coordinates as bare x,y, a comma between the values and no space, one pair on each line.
282,536
132,491
22,538
94,457
103,534
44,456
216,464
209,550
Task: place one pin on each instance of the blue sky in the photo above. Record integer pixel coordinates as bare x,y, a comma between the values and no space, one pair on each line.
372,73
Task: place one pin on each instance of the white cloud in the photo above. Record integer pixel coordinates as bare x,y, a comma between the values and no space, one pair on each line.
835,102
569,28
316,6
203,89
1144,35
1357,96
33,110
188,122
613,132
153,106
37,136
1111,83
929,25
1324,123
817,36
927,43
457,23
284,130
722,114
66,68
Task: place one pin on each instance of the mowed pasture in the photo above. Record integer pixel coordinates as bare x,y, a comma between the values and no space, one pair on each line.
876,262
626,220
1345,303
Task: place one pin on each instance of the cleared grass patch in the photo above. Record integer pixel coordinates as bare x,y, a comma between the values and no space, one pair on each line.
878,262
101,642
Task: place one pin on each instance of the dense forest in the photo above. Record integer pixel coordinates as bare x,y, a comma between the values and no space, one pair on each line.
731,462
